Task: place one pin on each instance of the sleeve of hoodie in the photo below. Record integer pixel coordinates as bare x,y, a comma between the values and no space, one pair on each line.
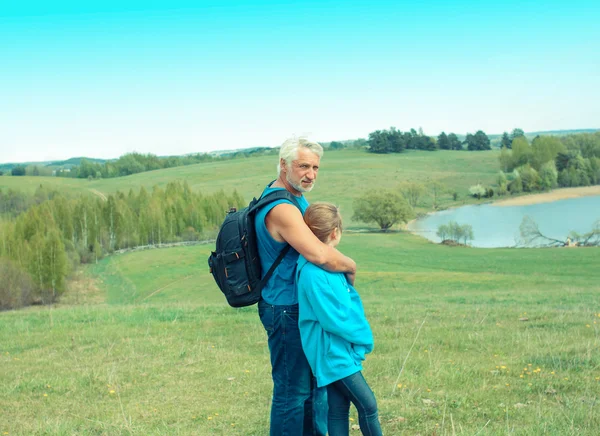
330,302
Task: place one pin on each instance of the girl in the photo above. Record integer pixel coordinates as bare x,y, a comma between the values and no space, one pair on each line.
334,331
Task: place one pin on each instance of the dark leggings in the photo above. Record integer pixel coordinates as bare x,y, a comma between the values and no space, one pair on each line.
355,389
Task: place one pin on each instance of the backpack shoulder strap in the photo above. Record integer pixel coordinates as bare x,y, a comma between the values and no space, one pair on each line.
280,194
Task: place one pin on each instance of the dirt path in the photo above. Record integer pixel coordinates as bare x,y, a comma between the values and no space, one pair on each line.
547,197
99,194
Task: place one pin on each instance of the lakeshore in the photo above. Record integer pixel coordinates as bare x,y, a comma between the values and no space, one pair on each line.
548,197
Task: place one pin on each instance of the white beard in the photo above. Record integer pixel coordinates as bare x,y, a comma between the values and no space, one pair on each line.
298,187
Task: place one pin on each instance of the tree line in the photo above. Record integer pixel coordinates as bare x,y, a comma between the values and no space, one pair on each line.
549,162
131,163
42,245
396,141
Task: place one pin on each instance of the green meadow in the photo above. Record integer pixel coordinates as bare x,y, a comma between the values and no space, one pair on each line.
467,341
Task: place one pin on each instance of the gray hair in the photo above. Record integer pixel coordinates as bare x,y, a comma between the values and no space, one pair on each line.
289,150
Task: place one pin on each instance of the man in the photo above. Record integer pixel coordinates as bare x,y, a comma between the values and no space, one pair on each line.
298,407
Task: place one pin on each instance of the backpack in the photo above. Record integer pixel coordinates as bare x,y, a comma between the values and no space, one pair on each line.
235,264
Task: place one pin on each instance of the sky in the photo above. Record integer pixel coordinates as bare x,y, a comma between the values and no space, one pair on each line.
101,79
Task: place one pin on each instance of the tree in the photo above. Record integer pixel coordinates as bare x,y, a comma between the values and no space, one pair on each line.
442,231
502,182
466,233
531,235
55,267
521,152
455,143
436,189
517,133
545,149
529,178
505,159
336,145
548,176
385,208
516,185
505,141
478,141
19,170
443,142
412,192
378,142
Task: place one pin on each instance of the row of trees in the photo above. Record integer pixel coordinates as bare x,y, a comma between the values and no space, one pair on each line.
131,163
455,232
13,203
396,141
50,239
550,162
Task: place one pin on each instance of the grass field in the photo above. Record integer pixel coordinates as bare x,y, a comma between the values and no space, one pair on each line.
344,175
143,343
467,341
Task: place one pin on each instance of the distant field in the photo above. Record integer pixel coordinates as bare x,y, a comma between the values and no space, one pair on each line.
344,175
143,343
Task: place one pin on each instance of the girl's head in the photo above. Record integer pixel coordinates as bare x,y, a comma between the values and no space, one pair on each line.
325,221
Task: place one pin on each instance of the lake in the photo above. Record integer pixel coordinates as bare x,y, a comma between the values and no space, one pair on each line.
498,226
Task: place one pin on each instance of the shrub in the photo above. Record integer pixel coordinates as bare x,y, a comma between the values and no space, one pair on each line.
16,286
477,191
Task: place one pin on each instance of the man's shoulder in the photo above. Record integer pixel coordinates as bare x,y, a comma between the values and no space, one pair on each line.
283,211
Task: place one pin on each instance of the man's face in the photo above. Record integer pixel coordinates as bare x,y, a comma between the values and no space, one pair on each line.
302,173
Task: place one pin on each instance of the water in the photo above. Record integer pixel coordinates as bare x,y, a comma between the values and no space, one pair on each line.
495,226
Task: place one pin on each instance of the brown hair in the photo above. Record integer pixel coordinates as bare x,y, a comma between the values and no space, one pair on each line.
322,219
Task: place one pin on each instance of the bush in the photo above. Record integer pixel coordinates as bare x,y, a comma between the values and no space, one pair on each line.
548,176
502,189
516,186
529,178
15,287
477,191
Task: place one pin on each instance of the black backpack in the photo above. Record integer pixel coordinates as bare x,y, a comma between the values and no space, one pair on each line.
235,264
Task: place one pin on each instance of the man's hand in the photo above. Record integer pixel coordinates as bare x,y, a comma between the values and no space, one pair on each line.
351,277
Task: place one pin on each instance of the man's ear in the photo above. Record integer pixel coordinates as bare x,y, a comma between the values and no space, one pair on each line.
283,164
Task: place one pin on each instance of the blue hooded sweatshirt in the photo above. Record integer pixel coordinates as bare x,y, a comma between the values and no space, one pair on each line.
335,333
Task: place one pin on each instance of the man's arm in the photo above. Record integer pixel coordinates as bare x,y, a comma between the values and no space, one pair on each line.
285,223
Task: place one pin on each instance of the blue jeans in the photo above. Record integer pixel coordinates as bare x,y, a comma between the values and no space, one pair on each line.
299,408
339,394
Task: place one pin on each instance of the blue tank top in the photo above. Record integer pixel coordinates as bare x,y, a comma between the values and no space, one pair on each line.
281,288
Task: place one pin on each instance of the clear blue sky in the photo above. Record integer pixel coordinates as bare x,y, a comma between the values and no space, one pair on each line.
101,80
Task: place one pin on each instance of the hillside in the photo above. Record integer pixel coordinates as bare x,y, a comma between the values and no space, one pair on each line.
344,175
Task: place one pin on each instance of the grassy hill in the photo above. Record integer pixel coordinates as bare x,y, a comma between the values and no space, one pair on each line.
468,341
344,175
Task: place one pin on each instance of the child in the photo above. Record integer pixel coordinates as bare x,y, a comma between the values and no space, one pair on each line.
334,331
